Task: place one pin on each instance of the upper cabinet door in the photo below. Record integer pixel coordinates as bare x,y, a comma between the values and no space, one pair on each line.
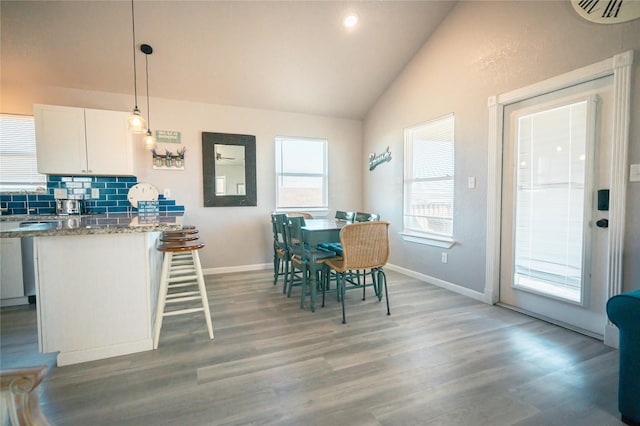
79,141
109,142
60,139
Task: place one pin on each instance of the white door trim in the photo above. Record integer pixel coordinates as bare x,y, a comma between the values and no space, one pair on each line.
620,67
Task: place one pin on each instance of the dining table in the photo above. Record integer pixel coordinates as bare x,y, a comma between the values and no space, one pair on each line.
314,232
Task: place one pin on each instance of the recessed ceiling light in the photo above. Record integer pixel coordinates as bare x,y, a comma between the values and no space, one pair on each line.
350,20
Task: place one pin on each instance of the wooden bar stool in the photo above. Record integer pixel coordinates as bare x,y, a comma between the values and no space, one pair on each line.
178,238
178,232
178,235
181,272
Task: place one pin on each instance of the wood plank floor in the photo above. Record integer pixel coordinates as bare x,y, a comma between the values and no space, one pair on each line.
439,359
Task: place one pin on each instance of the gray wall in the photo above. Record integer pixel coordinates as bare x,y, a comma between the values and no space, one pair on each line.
484,49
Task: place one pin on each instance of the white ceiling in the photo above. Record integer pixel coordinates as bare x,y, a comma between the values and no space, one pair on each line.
289,56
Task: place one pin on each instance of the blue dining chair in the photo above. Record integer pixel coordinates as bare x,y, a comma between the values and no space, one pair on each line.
300,255
345,216
281,255
366,217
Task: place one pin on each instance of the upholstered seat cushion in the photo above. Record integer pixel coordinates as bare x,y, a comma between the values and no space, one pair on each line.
322,252
335,247
624,311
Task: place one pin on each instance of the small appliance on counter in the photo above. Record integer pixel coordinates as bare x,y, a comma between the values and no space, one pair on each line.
65,207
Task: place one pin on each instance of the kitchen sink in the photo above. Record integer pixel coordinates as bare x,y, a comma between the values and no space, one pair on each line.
39,224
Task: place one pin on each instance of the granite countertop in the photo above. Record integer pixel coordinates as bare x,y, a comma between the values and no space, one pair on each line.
114,223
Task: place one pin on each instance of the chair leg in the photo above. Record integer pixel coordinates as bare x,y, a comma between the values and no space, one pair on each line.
341,285
292,277
383,277
286,276
325,282
304,288
276,268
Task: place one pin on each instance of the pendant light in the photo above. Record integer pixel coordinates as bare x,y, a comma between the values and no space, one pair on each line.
149,140
135,121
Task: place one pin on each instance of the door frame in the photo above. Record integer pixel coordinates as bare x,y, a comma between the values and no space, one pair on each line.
620,67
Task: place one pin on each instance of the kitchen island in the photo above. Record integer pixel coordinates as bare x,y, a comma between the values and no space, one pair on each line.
97,280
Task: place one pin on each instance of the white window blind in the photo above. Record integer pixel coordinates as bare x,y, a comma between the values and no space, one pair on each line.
18,165
429,179
301,173
551,182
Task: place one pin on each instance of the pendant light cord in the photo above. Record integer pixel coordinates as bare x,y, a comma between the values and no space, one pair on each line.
135,76
146,65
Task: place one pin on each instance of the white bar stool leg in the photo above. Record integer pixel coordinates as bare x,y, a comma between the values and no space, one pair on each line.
162,295
203,293
181,272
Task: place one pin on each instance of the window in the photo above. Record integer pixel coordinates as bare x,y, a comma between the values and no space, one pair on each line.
18,165
428,182
301,173
552,181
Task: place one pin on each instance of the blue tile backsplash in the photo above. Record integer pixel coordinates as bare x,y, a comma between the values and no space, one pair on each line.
112,191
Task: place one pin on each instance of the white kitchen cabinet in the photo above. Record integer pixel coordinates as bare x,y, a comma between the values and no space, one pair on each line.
82,141
11,286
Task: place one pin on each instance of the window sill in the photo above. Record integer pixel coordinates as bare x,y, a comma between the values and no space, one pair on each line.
429,241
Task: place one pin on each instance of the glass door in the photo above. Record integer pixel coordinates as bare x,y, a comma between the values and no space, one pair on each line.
554,257
550,194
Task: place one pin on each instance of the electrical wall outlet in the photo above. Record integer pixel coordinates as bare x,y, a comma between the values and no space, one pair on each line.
95,193
167,193
60,193
634,173
445,257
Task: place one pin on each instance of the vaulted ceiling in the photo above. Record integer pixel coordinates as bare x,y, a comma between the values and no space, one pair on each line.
287,55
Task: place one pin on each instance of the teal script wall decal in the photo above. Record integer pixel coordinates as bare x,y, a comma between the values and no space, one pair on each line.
376,159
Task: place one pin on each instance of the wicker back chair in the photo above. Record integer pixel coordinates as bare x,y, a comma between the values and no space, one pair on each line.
365,245
303,214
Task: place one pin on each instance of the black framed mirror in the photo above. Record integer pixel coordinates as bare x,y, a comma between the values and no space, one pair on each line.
229,169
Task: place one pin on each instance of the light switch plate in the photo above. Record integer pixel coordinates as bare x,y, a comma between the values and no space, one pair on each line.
471,182
634,173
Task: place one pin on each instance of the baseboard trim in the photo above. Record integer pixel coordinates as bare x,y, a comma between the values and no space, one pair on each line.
85,355
241,268
422,277
14,301
611,336
439,283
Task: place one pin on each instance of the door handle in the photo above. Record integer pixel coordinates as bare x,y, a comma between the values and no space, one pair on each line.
602,223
